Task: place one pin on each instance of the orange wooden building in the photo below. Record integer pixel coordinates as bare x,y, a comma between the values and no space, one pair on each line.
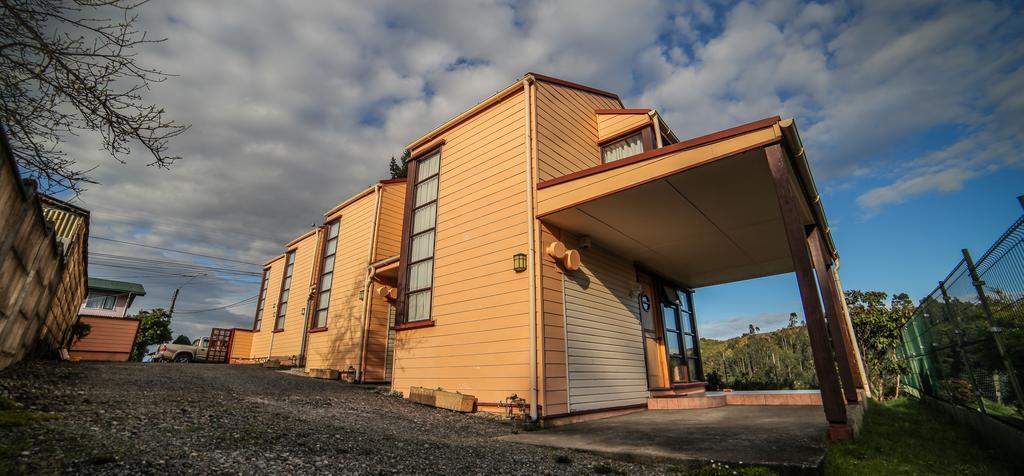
554,240
547,243
323,303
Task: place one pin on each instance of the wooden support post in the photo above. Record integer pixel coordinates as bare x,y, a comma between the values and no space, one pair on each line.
833,313
831,394
859,373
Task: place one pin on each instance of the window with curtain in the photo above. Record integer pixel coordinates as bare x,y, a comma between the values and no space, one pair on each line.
622,148
323,297
286,284
419,280
100,301
261,301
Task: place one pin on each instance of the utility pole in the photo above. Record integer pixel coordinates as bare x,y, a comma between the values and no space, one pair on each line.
174,299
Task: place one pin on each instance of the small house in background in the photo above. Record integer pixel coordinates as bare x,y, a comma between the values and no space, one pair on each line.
105,309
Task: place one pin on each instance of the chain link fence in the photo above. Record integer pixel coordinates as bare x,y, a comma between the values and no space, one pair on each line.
965,342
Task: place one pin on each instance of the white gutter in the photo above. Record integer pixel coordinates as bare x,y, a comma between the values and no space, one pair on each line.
657,128
531,218
370,271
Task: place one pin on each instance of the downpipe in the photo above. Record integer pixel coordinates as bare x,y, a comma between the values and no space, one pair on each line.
531,252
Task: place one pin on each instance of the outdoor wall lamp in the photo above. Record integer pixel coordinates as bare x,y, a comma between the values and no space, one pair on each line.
519,262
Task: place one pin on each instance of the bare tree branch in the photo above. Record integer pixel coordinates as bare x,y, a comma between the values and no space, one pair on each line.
67,67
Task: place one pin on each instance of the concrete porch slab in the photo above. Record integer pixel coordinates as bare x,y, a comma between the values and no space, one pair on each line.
790,439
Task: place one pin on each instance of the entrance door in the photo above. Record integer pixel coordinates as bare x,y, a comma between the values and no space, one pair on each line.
680,335
654,346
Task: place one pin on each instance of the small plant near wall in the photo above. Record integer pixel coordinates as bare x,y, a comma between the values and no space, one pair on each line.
78,331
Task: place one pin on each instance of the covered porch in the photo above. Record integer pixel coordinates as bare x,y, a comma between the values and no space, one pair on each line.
734,205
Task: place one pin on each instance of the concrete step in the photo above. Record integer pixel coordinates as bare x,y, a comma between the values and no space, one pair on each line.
685,402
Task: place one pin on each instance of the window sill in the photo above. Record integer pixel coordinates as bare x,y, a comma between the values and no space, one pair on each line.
414,325
317,329
278,330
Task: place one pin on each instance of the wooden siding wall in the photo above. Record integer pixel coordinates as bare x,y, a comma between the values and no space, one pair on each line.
567,129
110,339
241,346
480,343
555,384
605,348
377,340
31,266
338,347
389,227
608,125
285,345
261,339
288,344
72,289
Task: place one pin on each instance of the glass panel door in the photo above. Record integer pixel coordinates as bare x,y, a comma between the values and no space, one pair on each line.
677,369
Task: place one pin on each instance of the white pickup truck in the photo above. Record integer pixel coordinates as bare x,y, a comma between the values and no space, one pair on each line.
214,348
197,351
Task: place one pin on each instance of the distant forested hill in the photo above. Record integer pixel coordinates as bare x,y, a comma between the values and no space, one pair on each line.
773,360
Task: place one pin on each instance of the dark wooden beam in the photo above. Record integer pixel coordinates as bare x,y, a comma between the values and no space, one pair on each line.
852,348
831,394
833,315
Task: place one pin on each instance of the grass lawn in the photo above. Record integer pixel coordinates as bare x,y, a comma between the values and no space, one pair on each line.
904,437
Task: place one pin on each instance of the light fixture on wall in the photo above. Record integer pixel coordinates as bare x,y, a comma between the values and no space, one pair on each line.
519,262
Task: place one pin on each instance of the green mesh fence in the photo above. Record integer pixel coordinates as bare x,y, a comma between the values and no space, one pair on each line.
965,342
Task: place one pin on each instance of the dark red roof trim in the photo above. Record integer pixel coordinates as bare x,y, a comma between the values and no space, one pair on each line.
569,84
687,144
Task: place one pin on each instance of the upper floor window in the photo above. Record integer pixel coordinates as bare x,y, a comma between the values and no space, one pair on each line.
622,148
420,271
286,284
261,301
100,301
323,298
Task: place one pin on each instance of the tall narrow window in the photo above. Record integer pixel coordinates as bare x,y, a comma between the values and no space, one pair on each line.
261,301
419,279
286,284
323,298
622,148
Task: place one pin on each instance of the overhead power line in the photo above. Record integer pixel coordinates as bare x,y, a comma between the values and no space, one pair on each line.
197,311
147,263
174,250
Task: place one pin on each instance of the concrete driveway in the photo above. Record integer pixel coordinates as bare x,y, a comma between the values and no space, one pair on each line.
788,438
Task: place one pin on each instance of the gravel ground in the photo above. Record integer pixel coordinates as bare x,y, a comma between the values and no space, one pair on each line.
132,418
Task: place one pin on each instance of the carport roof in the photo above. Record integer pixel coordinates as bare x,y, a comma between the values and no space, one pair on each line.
700,212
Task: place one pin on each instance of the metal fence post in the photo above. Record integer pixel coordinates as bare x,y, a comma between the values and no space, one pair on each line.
979,285
950,311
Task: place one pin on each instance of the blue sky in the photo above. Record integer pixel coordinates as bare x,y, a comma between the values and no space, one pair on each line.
912,114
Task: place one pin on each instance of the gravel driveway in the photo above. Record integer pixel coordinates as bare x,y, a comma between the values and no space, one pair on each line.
137,418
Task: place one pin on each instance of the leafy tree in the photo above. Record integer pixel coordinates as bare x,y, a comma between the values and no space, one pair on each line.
68,67
877,326
154,328
774,360
182,339
399,168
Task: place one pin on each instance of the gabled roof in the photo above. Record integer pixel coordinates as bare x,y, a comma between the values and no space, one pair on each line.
509,90
101,284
